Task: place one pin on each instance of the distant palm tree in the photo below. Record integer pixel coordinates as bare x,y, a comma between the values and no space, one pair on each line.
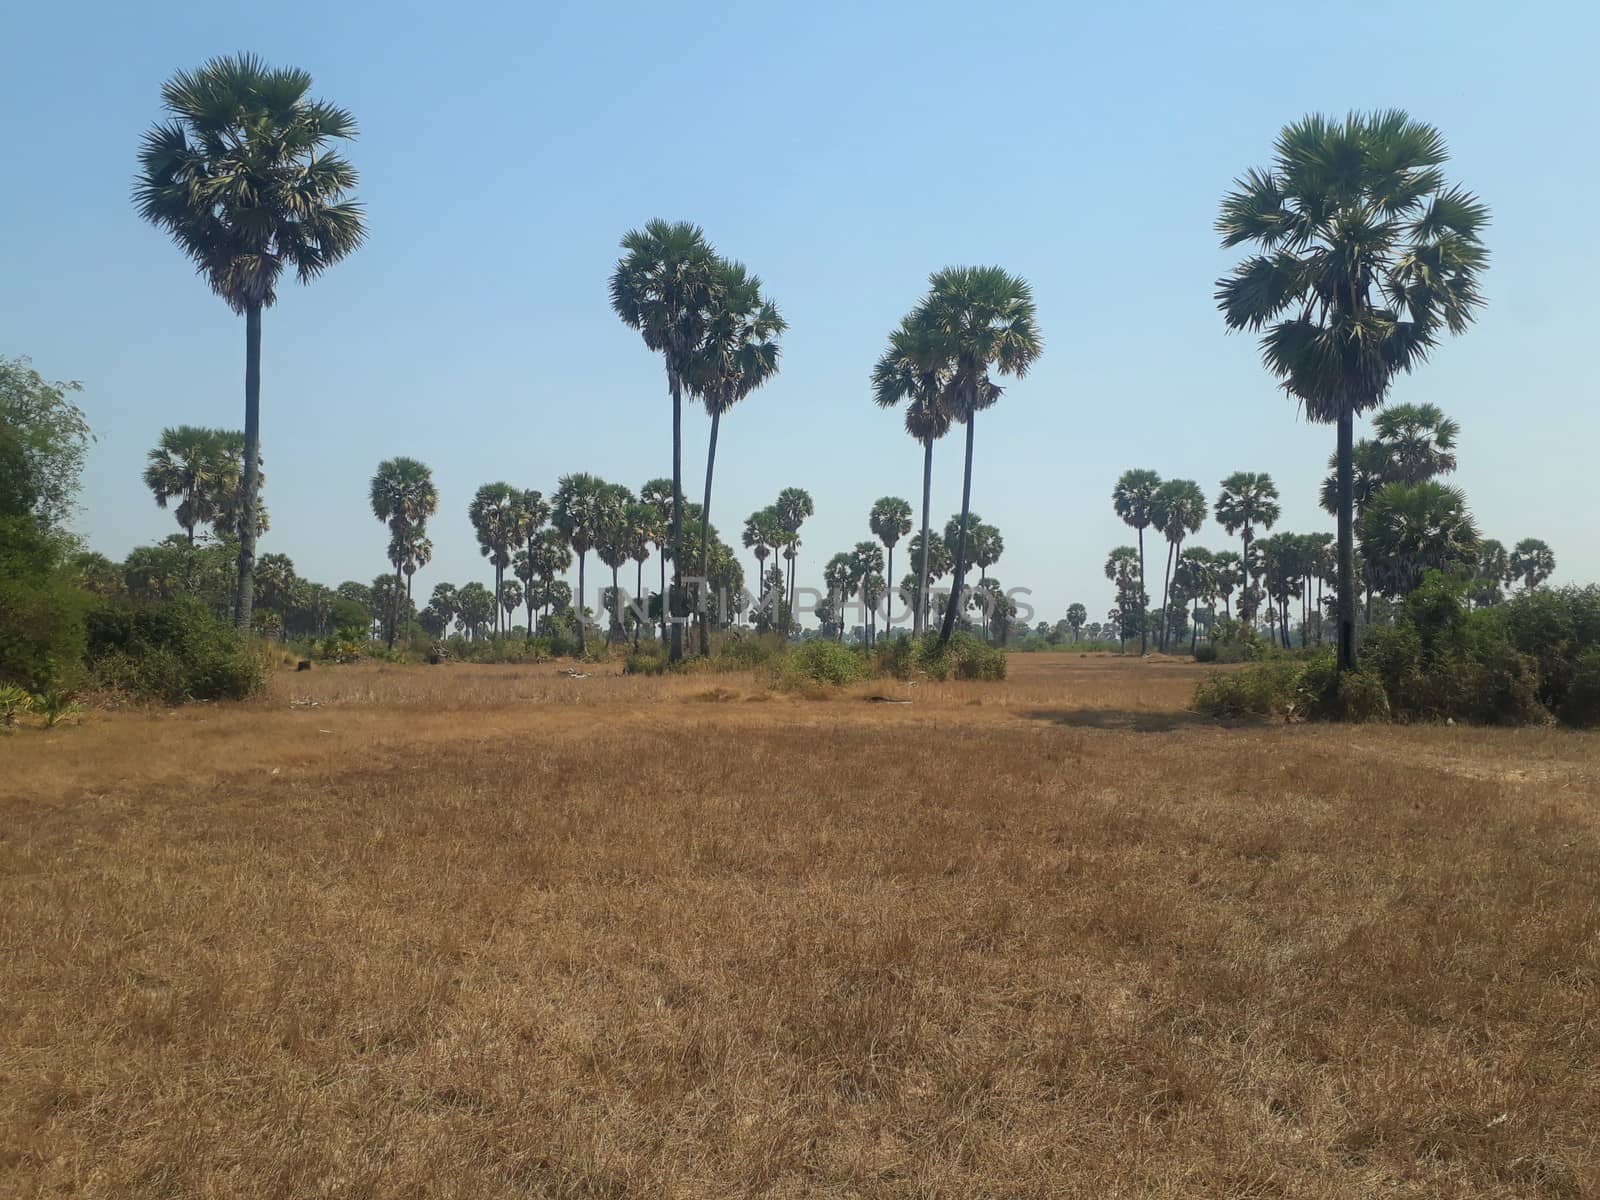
1077,614
498,520
971,527
1134,499
1419,439
889,520
665,286
657,493
936,561
510,598
244,181
1248,501
793,506
738,354
839,576
189,465
645,528
577,512
1367,259
1369,471
1180,509
1532,562
1228,571
976,320
403,497
549,554
1490,574
912,372
867,562
1409,529
613,544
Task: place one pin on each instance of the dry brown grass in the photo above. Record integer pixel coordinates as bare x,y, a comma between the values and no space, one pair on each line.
484,932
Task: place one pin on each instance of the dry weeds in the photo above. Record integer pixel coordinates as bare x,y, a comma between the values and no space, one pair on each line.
484,932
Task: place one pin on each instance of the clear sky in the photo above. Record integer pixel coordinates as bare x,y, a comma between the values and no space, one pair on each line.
843,151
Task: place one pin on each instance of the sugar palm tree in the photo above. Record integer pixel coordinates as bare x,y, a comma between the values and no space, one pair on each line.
889,520
839,577
1228,572
1134,498
1409,529
1077,614
1532,562
738,354
1369,471
1490,574
1366,259
243,178
666,286
1419,439
912,373
613,542
977,320
1179,510
549,554
1194,580
578,510
657,493
497,519
793,506
188,465
1247,501
934,562
403,497
969,526
416,554
645,528
867,560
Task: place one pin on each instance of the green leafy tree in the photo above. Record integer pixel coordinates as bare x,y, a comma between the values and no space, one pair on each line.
977,321
242,176
44,437
1134,499
1366,258
189,465
475,608
1490,574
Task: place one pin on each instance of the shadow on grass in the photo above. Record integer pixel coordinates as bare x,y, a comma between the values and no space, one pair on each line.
1123,720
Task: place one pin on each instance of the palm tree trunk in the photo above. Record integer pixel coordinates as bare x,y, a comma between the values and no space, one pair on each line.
1194,627
614,617
705,530
1144,598
888,595
1246,608
638,586
1347,543
961,542
919,620
662,597
244,604
676,652
577,603
1166,582
394,607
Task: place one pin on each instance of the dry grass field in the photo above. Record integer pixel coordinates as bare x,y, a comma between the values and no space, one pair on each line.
482,932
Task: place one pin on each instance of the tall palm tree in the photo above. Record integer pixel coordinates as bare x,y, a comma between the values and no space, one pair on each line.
1366,259
1420,441
867,562
1369,470
497,519
1409,529
1077,614
839,576
1134,498
889,520
644,528
188,465
657,493
1491,573
1532,562
793,506
577,512
738,354
1228,571
666,286
969,526
934,562
549,554
1179,510
910,371
403,497
1248,501
978,320
1194,580
613,543
243,179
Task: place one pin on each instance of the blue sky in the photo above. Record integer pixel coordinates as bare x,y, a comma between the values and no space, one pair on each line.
843,151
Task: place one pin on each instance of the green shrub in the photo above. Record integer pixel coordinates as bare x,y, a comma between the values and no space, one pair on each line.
738,650
1232,641
1361,698
42,610
963,657
1266,690
649,659
172,651
1581,704
14,702
819,661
